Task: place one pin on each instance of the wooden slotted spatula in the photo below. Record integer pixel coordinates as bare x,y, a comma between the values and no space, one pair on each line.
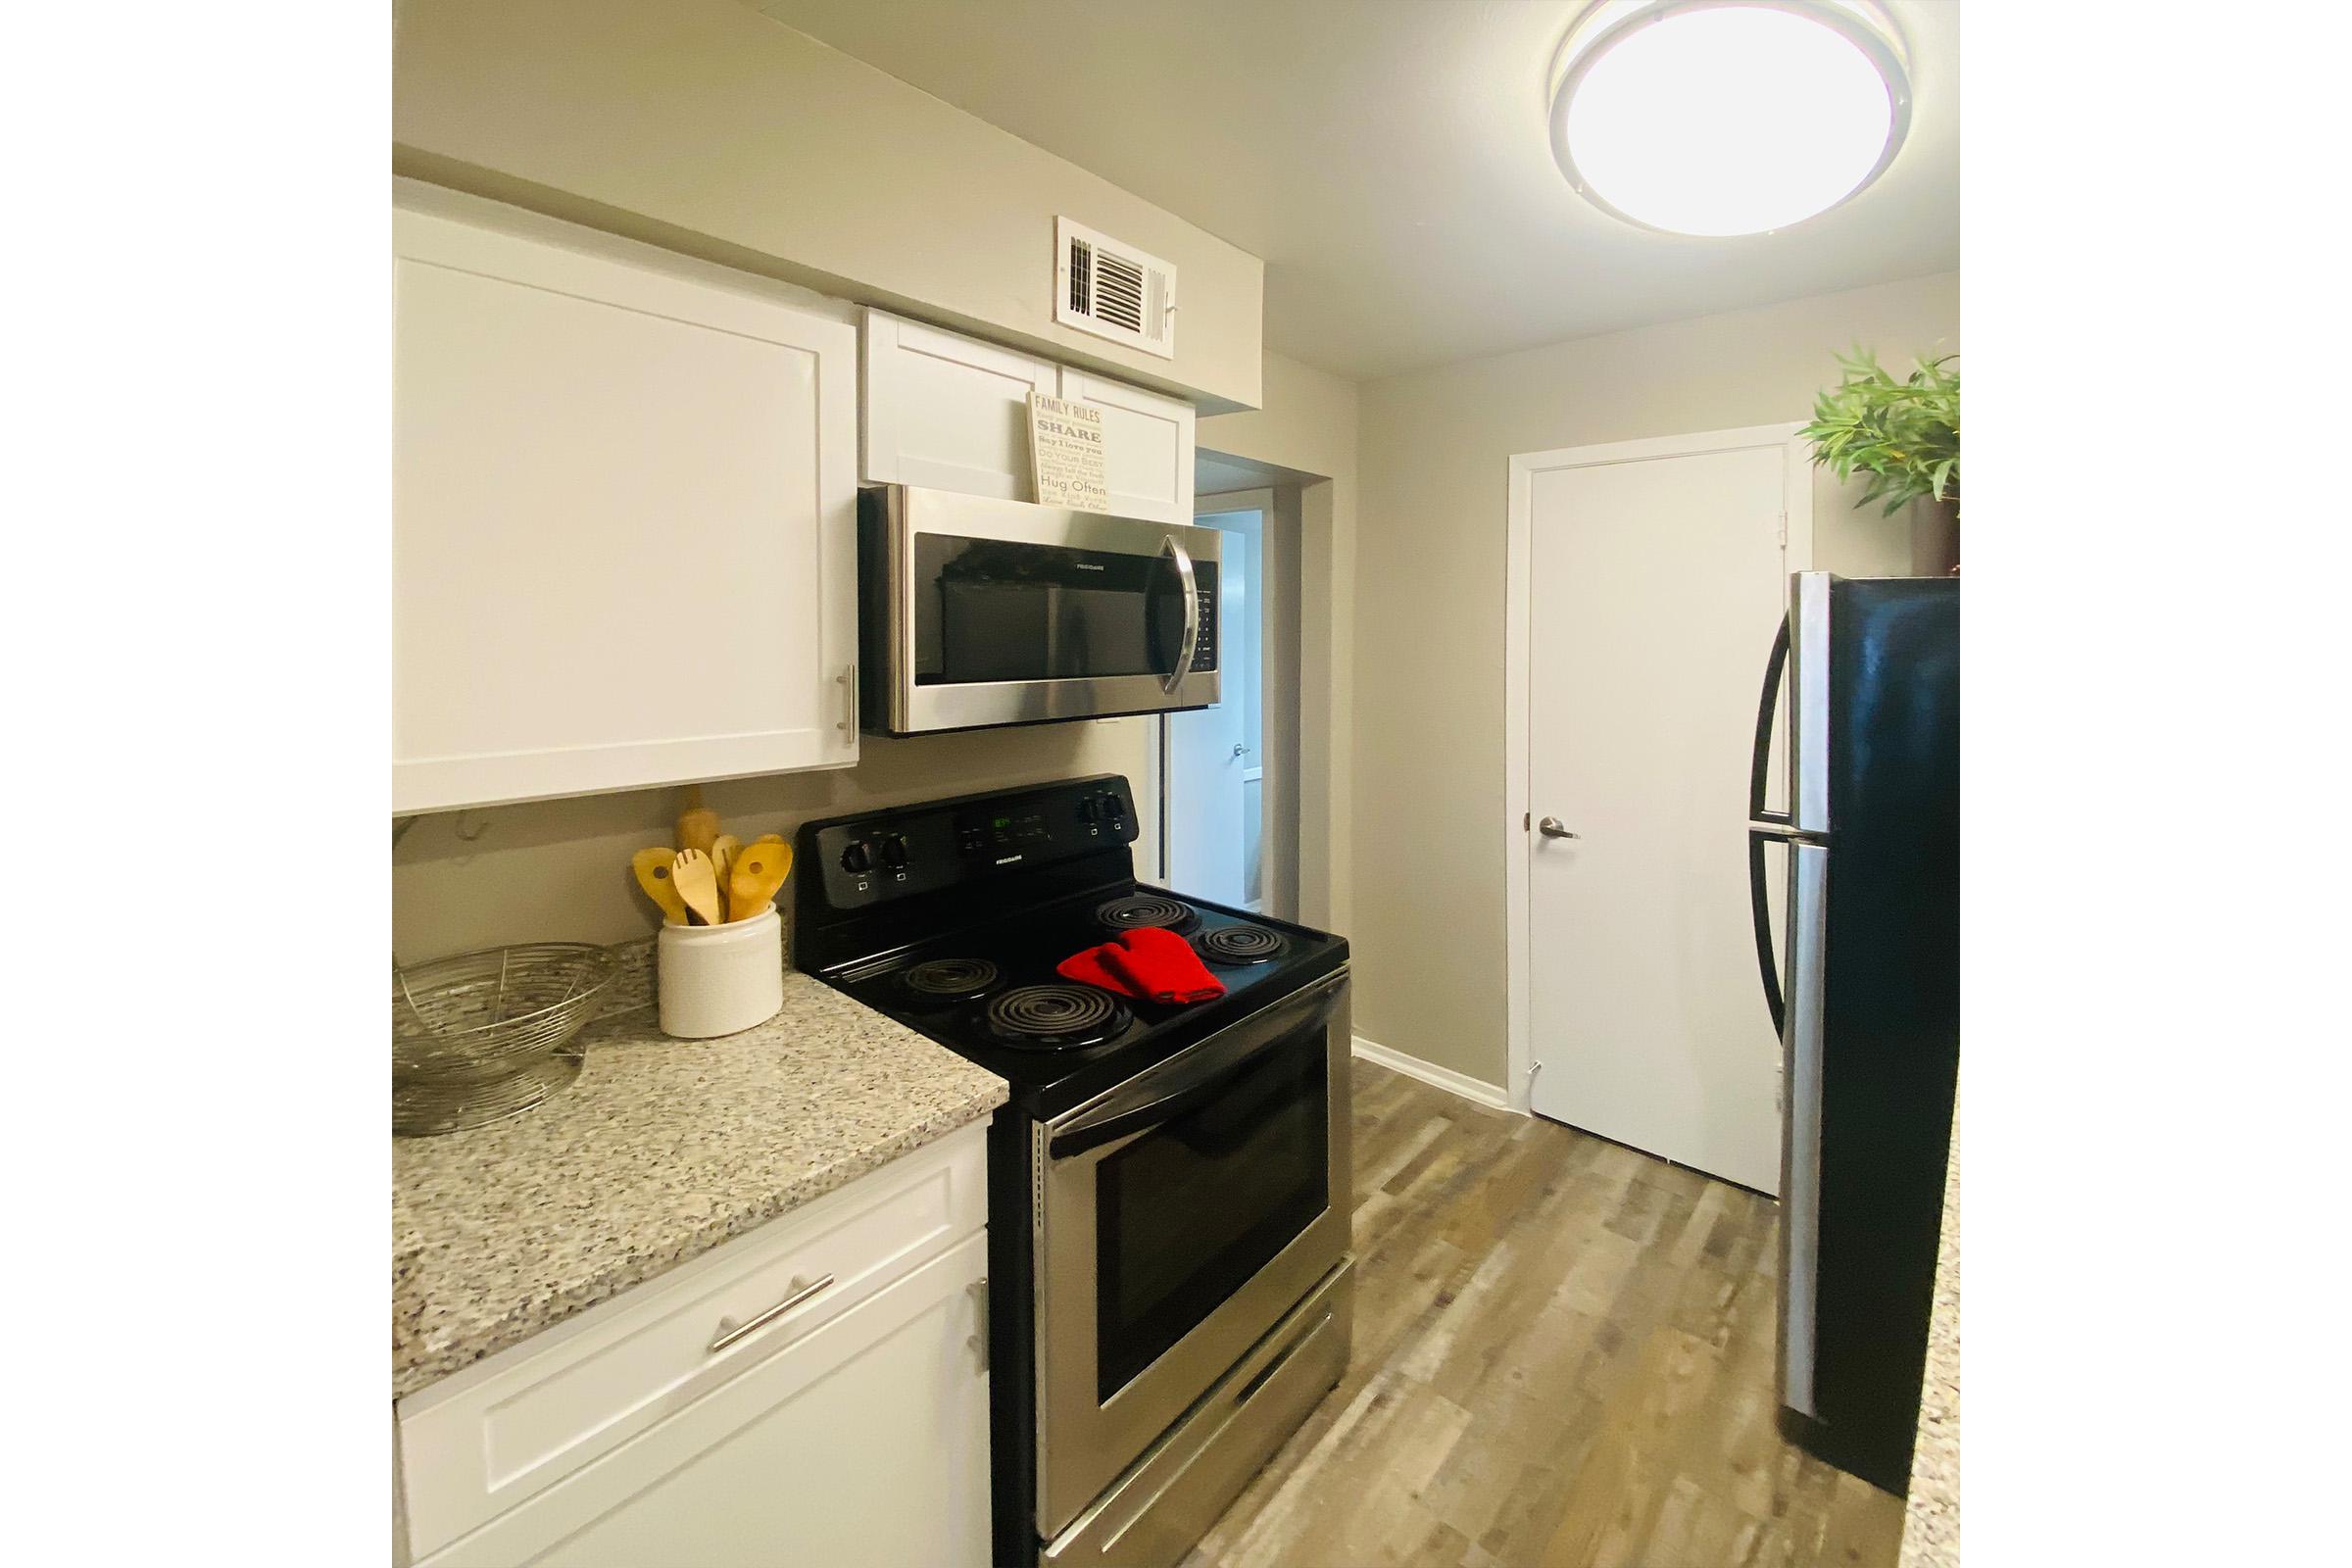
653,874
723,851
759,872
691,872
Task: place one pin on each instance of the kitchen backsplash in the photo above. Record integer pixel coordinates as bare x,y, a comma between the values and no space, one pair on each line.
558,871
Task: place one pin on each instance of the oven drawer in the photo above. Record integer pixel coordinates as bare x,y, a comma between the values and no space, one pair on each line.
1155,1513
486,1439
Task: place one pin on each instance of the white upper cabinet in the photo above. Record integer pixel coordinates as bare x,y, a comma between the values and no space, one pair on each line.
949,412
952,413
624,492
1147,447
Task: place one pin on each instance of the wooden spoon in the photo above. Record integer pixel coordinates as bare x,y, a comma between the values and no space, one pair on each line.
759,872
723,851
698,824
691,872
653,874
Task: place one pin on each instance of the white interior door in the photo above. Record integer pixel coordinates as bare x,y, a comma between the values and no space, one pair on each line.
1215,755
1655,586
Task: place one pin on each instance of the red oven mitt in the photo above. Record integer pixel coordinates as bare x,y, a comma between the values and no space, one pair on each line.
1161,966
1093,969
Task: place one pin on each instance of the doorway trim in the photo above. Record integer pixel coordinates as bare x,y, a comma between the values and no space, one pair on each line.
1277,658
1796,522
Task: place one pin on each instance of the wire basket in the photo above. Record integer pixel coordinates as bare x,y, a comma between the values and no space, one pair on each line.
481,1036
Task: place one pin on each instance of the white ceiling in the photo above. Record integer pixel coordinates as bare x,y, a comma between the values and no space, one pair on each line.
1388,160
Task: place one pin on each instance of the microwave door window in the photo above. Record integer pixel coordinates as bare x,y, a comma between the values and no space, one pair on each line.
990,611
991,631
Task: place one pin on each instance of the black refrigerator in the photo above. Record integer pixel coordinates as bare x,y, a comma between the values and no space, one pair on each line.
1865,991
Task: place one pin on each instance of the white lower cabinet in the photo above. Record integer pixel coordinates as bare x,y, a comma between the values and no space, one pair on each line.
848,1431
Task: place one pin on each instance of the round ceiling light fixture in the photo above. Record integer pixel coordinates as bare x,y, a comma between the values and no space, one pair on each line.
1727,116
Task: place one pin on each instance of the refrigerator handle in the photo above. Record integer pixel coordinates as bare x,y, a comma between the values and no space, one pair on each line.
1761,824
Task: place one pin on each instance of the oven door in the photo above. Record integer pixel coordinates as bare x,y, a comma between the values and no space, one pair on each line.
1180,1217
1005,613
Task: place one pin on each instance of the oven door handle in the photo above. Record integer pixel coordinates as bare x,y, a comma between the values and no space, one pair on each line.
1125,1123
1190,645
1144,1118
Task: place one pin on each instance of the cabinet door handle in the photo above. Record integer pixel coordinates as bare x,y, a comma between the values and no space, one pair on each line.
849,704
978,1342
729,1331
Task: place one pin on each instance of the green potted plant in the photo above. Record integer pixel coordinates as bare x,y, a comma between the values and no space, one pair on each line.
1905,435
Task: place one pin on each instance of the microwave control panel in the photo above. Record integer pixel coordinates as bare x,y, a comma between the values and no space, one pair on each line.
895,854
1205,649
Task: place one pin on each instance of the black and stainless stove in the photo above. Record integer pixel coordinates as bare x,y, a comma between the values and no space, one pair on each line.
1168,1186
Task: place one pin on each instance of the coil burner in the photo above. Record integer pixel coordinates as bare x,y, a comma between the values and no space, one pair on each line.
1056,1017
1139,909
951,980
1240,945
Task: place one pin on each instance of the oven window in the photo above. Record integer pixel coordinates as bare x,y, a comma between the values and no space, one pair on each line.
989,609
1188,1211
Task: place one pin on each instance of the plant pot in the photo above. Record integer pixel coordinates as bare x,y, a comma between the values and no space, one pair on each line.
1934,538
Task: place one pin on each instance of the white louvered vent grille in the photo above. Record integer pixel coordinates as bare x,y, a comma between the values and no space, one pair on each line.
1114,290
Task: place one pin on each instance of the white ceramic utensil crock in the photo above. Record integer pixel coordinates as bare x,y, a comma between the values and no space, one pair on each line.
719,979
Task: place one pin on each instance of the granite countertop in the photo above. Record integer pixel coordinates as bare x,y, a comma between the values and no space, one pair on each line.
1932,1527
659,1151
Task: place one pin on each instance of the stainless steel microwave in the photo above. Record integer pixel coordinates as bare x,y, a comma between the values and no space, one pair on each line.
974,612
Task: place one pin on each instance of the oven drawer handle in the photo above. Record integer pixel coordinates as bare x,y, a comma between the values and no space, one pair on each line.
1169,1106
1265,1374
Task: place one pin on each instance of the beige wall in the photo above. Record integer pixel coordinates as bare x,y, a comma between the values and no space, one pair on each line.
1428,917
1308,428
707,127
558,871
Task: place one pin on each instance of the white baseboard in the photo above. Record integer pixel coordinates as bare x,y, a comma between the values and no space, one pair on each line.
1475,1090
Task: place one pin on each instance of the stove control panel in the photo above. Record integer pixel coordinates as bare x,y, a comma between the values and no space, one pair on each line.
893,854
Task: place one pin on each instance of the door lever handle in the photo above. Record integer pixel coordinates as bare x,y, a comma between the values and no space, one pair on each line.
1551,827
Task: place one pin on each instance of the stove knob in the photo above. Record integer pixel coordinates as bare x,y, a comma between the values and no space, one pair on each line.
894,851
857,858
1112,812
1087,810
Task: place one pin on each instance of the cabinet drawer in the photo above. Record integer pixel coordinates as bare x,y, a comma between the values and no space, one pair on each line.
485,1439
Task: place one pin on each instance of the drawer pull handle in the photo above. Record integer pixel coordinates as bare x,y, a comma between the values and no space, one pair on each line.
729,1331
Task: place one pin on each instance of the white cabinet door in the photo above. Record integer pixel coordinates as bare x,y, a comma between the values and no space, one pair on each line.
1147,447
947,410
624,492
864,1443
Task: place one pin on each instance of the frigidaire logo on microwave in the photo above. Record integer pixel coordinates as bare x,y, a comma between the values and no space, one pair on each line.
1089,565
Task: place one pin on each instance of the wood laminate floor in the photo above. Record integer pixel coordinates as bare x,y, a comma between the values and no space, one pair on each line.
1563,1356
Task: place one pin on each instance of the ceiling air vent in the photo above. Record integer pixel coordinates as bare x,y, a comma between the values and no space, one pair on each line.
1114,290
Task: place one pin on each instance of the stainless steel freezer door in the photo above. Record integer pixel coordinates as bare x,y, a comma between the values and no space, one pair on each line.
1806,974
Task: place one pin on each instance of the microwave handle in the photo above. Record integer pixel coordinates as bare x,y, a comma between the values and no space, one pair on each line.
1190,645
